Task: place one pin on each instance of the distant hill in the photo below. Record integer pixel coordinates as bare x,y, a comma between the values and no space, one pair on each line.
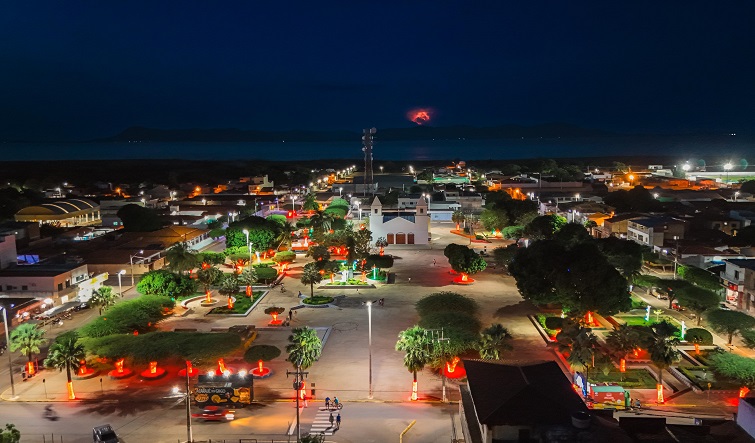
551,130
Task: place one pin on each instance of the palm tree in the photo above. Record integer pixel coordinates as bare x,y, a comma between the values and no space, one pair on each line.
310,276
181,258
579,342
458,217
229,286
27,338
493,341
415,344
662,349
623,340
304,348
103,298
381,243
248,277
208,277
66,354
285,235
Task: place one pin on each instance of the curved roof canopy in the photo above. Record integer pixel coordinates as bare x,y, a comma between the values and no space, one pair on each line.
60,207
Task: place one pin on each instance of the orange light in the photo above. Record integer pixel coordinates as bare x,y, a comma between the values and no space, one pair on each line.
82,367
414,391
153,367
71,394
659,388
249,291
623,365
230,303
119,366
259,366
221,366
30,368
743,391
589,318
636,352
207,297
451,365
275,316
464,277
697,348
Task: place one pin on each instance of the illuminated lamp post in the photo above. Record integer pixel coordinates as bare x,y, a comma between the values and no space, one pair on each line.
727,168
358,203
120,286
736,194
369,347
293,202
10,360
248,246
631,179
647,313
340,191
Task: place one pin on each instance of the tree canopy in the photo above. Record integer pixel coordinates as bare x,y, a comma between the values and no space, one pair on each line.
463,259
544,226
137,218
730,322
165,283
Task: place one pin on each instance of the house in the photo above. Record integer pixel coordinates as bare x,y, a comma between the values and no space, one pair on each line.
530,402
738,280
400,226
655,231
260,185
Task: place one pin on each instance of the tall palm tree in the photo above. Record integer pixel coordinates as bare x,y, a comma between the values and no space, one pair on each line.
103,298
208,277
416,345
27,338
623,340
229,286
248,277
580,342
311,276
67,354
304,348
181,258
493,341
284,238
662,349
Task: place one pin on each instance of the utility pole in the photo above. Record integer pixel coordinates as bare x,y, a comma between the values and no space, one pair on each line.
297,388
188,406
439,339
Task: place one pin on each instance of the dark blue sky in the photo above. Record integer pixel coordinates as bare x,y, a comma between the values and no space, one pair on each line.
78,70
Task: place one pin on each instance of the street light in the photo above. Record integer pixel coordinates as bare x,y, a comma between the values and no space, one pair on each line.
381,169
369,329
736,194
10,360
249,246
340,191
131,260
727,167
686,167
120,287
360,212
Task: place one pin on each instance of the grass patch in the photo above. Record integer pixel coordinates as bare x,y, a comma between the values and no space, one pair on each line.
261,352
317,300
637,303
446,302
633,378
242,304
349,282
541,318
702,375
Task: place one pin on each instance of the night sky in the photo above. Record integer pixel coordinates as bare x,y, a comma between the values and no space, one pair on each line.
74,70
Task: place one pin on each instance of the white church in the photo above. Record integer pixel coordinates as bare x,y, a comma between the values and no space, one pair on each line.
401,226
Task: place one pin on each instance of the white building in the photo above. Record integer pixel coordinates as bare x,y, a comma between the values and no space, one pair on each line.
400,226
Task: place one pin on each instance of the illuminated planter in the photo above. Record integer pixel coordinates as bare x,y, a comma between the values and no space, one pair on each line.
223,369
71,393
463,279
453,370
153,372
743,391
85,371
261,371
208,300
192,370
414,391
120,371
275,321
659,389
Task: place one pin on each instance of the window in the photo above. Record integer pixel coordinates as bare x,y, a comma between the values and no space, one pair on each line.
736,275
24,288
60,286
375,210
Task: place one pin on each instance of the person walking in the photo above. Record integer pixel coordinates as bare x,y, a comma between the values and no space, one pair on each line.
290,315
331,419
434,262
327,403
338,421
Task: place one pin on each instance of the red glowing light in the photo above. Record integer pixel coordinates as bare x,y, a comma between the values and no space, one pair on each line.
697,348
623,365
659,388
419,116
743,391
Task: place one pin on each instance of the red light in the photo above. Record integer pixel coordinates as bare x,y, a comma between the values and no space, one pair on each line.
743,391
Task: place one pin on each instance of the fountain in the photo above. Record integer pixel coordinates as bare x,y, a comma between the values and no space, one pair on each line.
153,372
85,371
261,371
192,370
119,371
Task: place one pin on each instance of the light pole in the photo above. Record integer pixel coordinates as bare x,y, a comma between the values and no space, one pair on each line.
120,287
727,167
293,202
358,210
249,246
736,194
131,260
369,329
10,360
340,191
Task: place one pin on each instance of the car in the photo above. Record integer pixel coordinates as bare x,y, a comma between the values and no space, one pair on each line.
215,413
104,434
724,306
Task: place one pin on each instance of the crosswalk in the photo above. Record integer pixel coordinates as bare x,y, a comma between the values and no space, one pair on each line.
321,423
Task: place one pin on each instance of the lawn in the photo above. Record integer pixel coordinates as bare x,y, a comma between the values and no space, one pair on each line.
317,300
637,303
349,282
633,378
701,376
155,346
243,303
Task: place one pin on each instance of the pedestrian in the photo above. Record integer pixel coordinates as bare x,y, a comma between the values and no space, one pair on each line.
331,419
338,421
304,397
290,315
434,262
410,279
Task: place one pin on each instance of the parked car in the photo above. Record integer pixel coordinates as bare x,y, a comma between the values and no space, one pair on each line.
104,434
215,413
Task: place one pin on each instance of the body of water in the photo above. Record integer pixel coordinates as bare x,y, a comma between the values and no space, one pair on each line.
729,147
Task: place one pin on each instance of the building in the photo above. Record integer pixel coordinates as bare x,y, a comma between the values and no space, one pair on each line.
260,185
532,402
469,201
739,283
109,210
655,231
65,213
400,227
8,255
56,281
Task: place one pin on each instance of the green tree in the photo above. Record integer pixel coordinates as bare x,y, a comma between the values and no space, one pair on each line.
699,277
103,298
544,226
623,340
166,283
417,348
139,219
493,219
572,234
579,343
661,346
208,277
211,258
624,255
381,243
10,434
319,253
285,235
27,339
310,203
503,255
284,257
362,239
734,366
312,438
66,354
464,260
698,300
730,322
378,261
181,258
229,285
304,347
262,233
248,277
458,218
311,276
494,340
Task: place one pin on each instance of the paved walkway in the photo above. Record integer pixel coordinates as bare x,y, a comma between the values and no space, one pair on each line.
321,423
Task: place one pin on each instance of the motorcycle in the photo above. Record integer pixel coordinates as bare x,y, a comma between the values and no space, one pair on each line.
50,414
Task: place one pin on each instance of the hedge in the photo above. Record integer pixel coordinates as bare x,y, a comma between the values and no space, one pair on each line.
265,273
139,314
160,346
699,335
284,257
446,301
261,352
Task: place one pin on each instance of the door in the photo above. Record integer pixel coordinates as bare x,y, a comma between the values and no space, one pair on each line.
410,238
390,239
400,238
